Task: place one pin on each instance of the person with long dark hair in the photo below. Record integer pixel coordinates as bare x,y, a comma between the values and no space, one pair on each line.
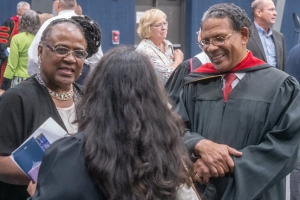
129,144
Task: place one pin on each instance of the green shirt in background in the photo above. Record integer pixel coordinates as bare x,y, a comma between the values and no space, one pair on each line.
18,57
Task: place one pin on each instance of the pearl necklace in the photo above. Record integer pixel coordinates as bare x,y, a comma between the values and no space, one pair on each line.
64,96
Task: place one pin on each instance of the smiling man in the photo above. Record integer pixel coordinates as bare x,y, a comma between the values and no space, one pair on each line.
267,44
241,114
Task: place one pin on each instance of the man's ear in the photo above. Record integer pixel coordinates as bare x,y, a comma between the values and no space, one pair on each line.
245,35
258,13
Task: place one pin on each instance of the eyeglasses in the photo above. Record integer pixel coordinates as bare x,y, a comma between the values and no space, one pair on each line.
63,52
217,41
271,9
165,24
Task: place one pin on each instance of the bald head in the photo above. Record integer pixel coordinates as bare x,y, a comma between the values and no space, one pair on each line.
60,5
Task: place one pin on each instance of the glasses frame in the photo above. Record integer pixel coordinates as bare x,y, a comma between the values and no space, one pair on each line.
160,25
202,44
69,52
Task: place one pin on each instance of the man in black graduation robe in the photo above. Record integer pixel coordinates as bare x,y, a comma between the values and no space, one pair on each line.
248,144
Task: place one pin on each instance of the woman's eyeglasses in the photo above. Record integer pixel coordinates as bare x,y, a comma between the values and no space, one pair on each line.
63,52
165,24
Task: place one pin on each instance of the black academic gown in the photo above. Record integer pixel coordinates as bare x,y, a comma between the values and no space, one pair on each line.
63,174
174,84
260,118
22,110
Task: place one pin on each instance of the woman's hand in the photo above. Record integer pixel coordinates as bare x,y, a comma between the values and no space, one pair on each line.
31,188
1,92
178,57
201,171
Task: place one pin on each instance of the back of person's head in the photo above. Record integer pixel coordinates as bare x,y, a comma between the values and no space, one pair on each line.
22,6
67,4
88,27
148,18
44,17
237,16
133,144
29,22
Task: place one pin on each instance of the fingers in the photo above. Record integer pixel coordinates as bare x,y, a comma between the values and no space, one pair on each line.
217,157
201,171
234,152
31,188
178,55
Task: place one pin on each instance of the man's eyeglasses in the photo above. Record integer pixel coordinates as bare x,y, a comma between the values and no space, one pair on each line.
63,52
271,9
217,41
165,24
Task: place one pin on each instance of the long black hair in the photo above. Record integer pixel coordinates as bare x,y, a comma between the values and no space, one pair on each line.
133,145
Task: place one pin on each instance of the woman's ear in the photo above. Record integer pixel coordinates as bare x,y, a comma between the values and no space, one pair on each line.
40,50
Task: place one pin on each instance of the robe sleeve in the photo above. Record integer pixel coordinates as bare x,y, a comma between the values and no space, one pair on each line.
175,82
190,138
63,173
277,154
5,32
13,59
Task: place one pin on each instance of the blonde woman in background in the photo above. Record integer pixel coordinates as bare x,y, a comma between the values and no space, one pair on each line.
153,29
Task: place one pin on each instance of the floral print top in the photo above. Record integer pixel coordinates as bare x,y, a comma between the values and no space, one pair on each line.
161,61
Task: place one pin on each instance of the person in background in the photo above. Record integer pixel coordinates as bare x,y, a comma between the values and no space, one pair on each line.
64,9
292,67
50,93
266,44
86,70
122,114
16,68
153,29
175,83
44,17
7,30
78,10
241,114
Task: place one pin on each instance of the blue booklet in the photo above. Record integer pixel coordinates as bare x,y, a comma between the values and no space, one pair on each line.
29,155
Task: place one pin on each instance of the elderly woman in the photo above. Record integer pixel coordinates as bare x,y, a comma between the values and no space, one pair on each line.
16,68
124,113
52,92
153,29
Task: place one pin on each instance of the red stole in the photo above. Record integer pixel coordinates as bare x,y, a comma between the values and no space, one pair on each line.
248,62
16,22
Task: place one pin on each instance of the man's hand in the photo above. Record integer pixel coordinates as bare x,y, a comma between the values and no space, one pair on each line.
216,157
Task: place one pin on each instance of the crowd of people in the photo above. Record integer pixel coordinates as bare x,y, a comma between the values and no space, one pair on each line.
142,123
